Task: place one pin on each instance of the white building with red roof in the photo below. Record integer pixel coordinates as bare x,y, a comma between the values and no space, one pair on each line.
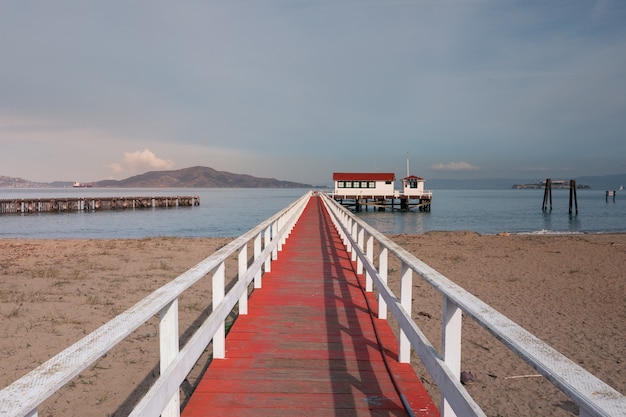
413,186
364,183
359,190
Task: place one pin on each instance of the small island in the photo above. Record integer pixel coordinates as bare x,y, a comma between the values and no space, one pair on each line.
556,184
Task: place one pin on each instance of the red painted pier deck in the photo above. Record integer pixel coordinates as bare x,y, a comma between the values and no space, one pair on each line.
309,346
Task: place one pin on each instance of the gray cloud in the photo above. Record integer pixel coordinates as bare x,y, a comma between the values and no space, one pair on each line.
341,85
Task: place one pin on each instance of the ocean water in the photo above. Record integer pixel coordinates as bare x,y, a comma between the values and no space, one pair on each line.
221,213
513,211
232,212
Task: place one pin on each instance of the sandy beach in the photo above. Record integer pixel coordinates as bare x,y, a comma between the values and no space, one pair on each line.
567,290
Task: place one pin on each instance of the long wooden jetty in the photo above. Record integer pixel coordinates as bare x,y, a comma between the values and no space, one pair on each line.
310,344
51,205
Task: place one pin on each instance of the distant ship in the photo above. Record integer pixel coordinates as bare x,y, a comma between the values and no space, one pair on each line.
79,185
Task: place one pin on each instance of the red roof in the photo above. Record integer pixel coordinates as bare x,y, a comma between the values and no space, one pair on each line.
413,178
364,176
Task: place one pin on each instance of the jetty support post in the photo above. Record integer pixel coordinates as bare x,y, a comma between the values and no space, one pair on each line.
369,253
451,345
406,299
360,239
383,262
610,194
257,254
274,229
242,261
218,284
354,230
572,196
169,347
267,239
547,194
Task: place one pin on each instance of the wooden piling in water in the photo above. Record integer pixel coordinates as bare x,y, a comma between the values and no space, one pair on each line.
547,195
572,196
610,193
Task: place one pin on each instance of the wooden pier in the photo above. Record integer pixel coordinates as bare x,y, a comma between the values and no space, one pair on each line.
88,204
311,344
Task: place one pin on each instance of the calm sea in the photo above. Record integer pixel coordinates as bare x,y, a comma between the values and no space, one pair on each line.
232,212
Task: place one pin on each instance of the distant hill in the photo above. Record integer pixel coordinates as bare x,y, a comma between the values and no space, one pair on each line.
198,177
15,182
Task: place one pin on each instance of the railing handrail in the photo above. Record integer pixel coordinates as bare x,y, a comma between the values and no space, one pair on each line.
593,396
23,396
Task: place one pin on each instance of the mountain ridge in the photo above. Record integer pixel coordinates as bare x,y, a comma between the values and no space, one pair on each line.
198,177
192,177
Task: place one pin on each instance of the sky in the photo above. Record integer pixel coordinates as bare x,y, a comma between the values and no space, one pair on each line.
297,90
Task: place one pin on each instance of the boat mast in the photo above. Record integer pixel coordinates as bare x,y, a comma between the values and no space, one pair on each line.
407,164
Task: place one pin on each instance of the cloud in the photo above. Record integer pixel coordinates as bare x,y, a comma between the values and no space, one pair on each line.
455,166
139,162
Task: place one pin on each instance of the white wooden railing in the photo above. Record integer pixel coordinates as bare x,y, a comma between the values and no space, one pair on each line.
24,396
594,397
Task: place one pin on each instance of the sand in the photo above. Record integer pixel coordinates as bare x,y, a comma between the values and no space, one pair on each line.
567,290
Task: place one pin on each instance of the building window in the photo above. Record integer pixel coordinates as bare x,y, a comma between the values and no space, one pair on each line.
388,182
341,184
371,184
413,184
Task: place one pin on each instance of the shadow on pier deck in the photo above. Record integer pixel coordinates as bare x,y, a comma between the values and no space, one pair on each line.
309,345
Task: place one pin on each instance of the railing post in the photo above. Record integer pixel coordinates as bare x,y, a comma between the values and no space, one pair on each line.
243,267
274,235
283,229
266,243
342,222
383,261
369,254
257,254
346,242
451,346
280,224
169,345
354,231
406,298
360,244
219,340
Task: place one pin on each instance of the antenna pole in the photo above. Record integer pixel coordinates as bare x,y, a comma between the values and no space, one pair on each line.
407,164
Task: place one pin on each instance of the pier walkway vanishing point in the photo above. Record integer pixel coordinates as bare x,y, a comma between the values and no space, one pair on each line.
304,342
309,346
